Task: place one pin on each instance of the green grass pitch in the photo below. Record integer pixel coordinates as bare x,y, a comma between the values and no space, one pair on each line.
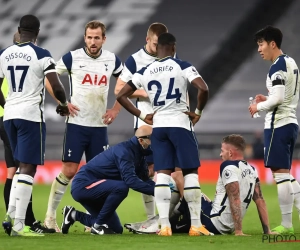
132,210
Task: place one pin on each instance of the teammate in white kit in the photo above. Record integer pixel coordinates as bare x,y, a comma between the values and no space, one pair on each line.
281,125
89,70
25,66
237,185
173,141
134,63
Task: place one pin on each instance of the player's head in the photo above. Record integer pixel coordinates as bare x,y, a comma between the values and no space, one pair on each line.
153,32
16,38
166,45
29,24
143,134
233,147
269,41
94,37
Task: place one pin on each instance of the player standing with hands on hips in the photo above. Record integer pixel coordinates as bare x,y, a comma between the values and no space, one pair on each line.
281,125
166,81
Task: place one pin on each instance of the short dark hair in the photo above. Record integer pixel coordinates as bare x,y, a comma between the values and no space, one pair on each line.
95,24
166,39
236,140
157,29
269,34
29,23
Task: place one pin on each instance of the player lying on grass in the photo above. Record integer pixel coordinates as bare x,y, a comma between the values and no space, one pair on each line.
238,183
103,183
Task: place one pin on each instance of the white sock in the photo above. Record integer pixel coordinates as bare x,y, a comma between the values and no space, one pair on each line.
192,195
12,196
23,193
149,205
175,196
162,194
285,197
58,188
296,189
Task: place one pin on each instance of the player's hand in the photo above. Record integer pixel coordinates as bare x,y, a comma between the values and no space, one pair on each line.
73,109
253,109
62,110
260,98
193,117
149,119
110,116
240,233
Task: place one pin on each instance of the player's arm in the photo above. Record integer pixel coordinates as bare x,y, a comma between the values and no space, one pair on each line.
129,176
276,96
197,81
122,98
202,96
50,90
233,194
276,93
136,94
2,99
261,208
58,89
127,74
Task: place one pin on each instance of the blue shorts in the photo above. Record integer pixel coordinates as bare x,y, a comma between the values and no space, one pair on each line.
174,147
279,146
81,139
27,140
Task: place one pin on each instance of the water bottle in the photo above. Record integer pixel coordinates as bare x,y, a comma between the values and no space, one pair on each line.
252,101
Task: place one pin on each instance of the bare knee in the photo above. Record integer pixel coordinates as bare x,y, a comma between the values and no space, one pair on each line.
11,172
69,169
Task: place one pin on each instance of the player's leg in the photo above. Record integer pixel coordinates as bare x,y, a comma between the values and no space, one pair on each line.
10,163
277,158
164,166
97,143
30,151
148,200
11,132
206,207
295,183
73,148
103,196
187,154
118,191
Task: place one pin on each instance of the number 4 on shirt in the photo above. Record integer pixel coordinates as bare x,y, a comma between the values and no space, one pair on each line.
176,95
13,79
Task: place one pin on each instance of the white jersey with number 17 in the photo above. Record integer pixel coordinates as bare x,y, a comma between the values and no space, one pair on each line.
25,66
166,83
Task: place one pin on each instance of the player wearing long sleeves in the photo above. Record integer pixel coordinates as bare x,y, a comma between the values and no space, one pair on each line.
281,125
103,183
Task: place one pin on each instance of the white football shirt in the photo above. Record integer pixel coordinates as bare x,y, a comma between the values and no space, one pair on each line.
134,63
284,68
231,171
24,65
89,83
166,83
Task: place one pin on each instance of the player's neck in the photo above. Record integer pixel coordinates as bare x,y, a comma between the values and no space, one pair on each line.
164,55
27,38
148,50
276,54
